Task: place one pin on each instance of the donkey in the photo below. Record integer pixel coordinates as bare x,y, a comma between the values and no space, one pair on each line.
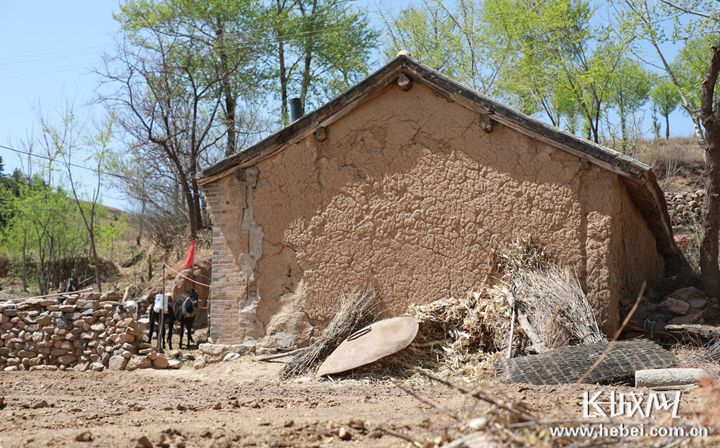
155,319
183,309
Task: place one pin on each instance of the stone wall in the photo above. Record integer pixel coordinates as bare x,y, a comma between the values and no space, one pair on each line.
685,207
86,331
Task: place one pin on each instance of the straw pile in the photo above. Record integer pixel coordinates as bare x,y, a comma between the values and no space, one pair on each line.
357,310
556,311
464,336
522,254
460,337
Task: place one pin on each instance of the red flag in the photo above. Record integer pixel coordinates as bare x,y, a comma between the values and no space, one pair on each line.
190,256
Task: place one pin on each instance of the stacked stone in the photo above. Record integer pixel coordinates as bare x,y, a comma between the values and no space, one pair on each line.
85,331
685,207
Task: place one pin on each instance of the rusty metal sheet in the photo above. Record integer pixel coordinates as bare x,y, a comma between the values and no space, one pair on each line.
371,343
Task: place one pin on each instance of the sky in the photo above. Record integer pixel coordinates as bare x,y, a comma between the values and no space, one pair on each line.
49,51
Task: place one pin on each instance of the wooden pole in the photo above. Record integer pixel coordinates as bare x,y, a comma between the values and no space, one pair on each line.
161,339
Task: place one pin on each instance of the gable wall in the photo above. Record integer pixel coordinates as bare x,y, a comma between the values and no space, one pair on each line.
409,195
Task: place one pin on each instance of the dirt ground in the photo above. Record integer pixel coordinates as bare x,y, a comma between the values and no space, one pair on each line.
241,403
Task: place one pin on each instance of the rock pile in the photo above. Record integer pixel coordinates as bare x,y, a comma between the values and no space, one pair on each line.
685,207
85,331
684,306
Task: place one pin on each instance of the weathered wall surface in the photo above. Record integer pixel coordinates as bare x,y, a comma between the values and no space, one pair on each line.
85,332
640,262
237,245
408,195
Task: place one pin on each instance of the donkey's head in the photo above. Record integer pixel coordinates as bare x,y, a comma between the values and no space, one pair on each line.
191,304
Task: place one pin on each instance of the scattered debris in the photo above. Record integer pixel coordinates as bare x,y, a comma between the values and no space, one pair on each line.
460,336
85,436
613,362
232,356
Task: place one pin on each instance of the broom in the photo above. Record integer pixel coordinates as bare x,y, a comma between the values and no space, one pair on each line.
356,311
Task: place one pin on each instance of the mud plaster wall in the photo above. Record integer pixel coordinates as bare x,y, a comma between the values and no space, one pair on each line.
409,195
639,251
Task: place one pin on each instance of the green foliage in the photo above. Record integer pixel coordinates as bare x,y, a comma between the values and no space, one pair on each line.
665,96
691,66
543,56
444,39
43,227
666,99
316,49
630,90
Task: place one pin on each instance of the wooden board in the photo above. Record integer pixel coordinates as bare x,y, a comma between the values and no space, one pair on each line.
371,343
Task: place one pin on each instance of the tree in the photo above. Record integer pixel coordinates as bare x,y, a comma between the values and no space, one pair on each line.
694,18
449,39
224,38
63,141
319,48
647,22
630,90
42,230
167,110
666,99
553,45
690,66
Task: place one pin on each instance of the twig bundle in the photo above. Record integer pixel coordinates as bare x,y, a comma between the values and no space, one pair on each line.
714,350
356,311
556,306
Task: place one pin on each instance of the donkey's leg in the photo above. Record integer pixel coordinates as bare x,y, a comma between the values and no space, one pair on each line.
182,331
190,331
171,323
152,326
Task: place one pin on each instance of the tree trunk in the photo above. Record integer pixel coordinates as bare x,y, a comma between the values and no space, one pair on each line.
197,204
623,128
308,50
96,260
226,84
709,270
283,71
667,127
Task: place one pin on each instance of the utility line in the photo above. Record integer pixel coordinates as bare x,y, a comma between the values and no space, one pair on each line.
20,151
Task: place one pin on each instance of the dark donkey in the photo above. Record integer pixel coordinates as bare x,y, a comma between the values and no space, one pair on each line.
183,309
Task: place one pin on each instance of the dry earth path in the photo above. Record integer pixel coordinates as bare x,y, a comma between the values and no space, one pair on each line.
240,403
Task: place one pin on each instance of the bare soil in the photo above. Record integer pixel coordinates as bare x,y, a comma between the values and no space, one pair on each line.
241,403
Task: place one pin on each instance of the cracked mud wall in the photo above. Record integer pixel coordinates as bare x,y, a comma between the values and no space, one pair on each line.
408,194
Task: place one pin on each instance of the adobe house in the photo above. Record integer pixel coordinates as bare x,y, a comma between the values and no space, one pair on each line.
406,182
